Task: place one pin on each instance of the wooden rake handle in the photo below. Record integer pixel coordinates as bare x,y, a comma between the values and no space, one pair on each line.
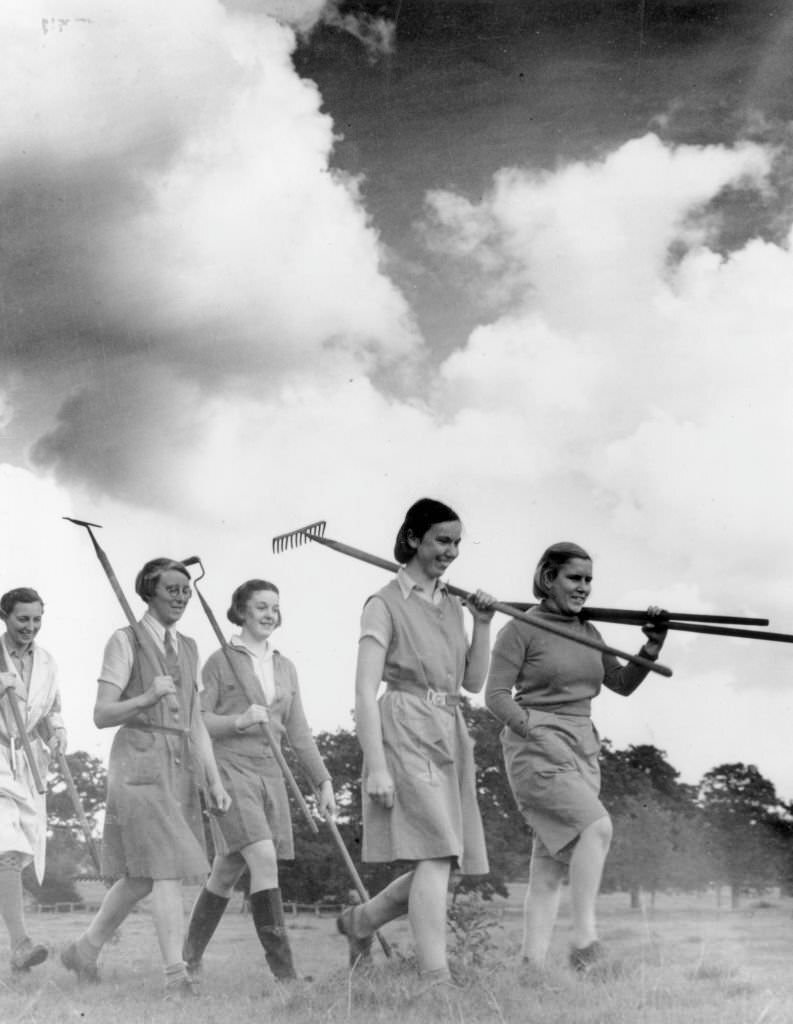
630,616
74,796
353,872
13,703
499,606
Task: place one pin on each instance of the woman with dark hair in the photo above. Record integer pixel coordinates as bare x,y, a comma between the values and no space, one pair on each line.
247,684
28,672
541,687
153,836
419,791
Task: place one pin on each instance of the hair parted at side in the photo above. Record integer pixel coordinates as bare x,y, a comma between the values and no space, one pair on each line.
20,595
421,515
243,594
552,560
149,576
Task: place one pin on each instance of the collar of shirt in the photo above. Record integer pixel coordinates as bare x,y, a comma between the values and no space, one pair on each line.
407,585
237,642
156,628
19,653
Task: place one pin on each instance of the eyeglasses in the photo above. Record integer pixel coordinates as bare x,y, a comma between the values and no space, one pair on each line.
175,591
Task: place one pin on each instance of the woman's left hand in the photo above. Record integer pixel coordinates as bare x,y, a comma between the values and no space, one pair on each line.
655,630
57,742
219,798
326,801
480,605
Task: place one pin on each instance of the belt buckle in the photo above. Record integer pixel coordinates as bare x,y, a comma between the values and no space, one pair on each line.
437,699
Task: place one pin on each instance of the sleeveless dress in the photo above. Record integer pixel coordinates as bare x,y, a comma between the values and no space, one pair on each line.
153,822
427,747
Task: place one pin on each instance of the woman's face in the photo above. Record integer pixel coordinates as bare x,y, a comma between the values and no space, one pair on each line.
570,588
170,597
262,614
437,549
23,623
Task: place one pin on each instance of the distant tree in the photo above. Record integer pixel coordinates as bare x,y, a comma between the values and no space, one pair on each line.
641,848
67,852
90,781
508,836
741,814
656,842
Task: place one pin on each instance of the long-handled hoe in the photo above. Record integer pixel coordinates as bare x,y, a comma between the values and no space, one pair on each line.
276,749
316,532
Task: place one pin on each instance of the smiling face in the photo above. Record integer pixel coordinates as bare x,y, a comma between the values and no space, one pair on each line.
170,597
437,549
568,590
23,623
262,615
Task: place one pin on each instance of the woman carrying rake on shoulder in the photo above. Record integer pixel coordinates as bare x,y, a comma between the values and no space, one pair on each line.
419,793
541,687
247,684
153,836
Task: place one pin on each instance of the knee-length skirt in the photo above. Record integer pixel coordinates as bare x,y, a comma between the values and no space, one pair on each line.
259,805
555,778
153,822
435,813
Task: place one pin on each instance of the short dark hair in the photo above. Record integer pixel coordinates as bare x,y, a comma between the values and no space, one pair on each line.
421,515
243,594
149,576
20,595
552,560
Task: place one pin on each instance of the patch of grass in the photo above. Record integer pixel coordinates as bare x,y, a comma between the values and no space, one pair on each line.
669,967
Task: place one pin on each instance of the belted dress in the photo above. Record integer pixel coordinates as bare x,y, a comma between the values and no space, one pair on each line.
153,823
427,747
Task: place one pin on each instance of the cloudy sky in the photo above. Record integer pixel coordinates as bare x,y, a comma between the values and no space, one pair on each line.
264,262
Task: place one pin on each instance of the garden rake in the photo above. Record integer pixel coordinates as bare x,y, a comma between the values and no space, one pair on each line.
316,532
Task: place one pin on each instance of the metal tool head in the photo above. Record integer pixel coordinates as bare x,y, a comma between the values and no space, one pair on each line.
298,537
195,560
82,522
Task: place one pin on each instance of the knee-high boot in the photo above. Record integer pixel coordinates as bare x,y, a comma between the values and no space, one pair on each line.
207,912
268,919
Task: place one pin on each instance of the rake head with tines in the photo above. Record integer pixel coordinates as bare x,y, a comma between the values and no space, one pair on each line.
314,531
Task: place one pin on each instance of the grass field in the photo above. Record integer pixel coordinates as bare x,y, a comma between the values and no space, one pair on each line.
684,961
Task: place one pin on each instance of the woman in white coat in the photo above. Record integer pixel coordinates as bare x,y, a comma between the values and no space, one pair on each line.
28,672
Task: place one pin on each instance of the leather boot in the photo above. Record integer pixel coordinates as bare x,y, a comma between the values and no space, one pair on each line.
206,914
268,918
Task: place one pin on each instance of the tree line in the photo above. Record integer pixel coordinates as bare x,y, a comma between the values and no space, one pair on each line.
729,830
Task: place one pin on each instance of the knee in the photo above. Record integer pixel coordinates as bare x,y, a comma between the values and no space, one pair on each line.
226,870
602,830
545,876
139,888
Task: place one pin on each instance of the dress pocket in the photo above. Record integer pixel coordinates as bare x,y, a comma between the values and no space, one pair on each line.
141,762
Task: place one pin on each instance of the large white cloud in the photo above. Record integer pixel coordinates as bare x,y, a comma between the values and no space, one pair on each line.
173,225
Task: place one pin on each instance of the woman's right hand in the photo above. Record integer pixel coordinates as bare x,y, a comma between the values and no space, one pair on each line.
161,686
8,681
254,715
380,787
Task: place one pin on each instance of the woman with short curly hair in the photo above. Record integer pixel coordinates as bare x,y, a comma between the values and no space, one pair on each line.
153,836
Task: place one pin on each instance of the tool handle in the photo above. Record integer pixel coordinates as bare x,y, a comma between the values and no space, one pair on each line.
749,634
353,871
74,796
13,703
639,617
506,609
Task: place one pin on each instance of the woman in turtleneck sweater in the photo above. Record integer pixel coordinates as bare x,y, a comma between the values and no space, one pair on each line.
541,687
